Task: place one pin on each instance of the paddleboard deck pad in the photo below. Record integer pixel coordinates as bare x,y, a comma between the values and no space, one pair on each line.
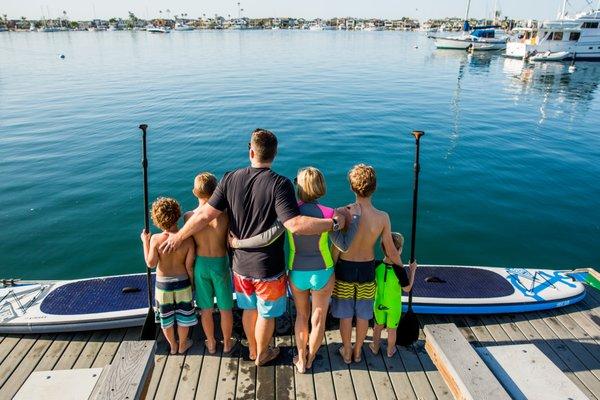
487,290
121,301
75,305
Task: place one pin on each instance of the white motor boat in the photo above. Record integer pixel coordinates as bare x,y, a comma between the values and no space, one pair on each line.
578,38
183,27
157,29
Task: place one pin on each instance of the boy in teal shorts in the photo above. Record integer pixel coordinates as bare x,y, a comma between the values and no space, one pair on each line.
390,280
212,277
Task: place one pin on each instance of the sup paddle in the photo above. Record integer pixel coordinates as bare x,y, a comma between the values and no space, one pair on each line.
408,329
149,328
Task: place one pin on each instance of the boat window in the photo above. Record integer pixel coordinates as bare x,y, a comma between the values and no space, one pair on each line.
574,36
556,36
590,25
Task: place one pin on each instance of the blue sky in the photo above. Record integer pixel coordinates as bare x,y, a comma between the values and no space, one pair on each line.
421,9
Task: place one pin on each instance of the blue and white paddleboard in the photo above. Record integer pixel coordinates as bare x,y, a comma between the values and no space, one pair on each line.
446,289
121,301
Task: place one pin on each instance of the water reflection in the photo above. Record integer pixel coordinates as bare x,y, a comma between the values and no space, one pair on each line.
562,91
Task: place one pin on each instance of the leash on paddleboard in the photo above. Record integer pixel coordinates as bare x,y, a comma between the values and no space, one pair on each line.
149,328
408,329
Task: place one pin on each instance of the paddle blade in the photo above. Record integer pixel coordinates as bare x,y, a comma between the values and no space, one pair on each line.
149,328
592,281
408,329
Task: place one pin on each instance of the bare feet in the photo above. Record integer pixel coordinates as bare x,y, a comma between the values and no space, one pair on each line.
391,351
229,344
309,361
357,355
268,356
374,348
174,350
346,357
186,346
300,364
211,346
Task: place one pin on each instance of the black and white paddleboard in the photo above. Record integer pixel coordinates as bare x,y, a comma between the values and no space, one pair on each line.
121,301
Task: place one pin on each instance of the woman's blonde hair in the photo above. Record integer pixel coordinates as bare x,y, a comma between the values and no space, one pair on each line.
311,184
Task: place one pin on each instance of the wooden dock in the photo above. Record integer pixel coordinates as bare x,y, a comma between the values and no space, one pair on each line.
570,337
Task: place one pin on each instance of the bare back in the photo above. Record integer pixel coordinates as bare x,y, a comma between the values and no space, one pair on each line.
211,241
370,228
174,263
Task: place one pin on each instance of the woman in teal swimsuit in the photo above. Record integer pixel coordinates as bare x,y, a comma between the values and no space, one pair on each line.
310,264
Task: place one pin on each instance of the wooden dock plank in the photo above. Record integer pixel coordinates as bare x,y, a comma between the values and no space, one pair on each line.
265,379
73,350
303,383
378,373
246,379
462,368
322,378
415,372
188,381
284,370
53,354
399,378
7,345
565,353
436,380
342,380
109,348
228,375
90,351
26,366
14,358
160,359
129,372
527,373
170,377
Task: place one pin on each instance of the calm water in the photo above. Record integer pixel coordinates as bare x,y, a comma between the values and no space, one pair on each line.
510,163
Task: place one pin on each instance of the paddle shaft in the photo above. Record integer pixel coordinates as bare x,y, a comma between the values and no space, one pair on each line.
417,168
144,127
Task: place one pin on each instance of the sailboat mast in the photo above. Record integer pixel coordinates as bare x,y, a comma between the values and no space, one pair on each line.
466,26
564,9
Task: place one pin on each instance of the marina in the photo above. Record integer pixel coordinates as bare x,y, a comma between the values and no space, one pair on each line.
569,338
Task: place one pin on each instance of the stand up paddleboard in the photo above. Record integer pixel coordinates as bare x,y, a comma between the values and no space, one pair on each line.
121,301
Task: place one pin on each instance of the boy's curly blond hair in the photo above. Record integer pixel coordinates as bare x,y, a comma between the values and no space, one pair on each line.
165,212
363,180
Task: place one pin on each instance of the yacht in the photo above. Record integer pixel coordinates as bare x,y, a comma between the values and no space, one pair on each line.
183,27
558,40
486,38
157,29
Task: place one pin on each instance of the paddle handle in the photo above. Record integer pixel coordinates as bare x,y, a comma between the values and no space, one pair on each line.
417,169
144,127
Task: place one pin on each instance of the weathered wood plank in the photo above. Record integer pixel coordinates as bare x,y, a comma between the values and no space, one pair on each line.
342,380
463,370
380,379
246,379
26,367
304,384
322,378
14,358
209,375
170,377
73,350
188,381
574,364
284,370
435,377
129,372
228,375
399,378
7,345
90,351
109,348
527,373
53,354
415,372
160,359
265,379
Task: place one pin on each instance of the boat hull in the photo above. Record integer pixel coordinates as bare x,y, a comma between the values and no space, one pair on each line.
466,43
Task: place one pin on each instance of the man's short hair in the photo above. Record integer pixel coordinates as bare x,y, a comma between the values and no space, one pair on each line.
165,212
363,180
205,184
398,241
264,144
311,184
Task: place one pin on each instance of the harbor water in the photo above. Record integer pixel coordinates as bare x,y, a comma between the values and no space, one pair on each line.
510,161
